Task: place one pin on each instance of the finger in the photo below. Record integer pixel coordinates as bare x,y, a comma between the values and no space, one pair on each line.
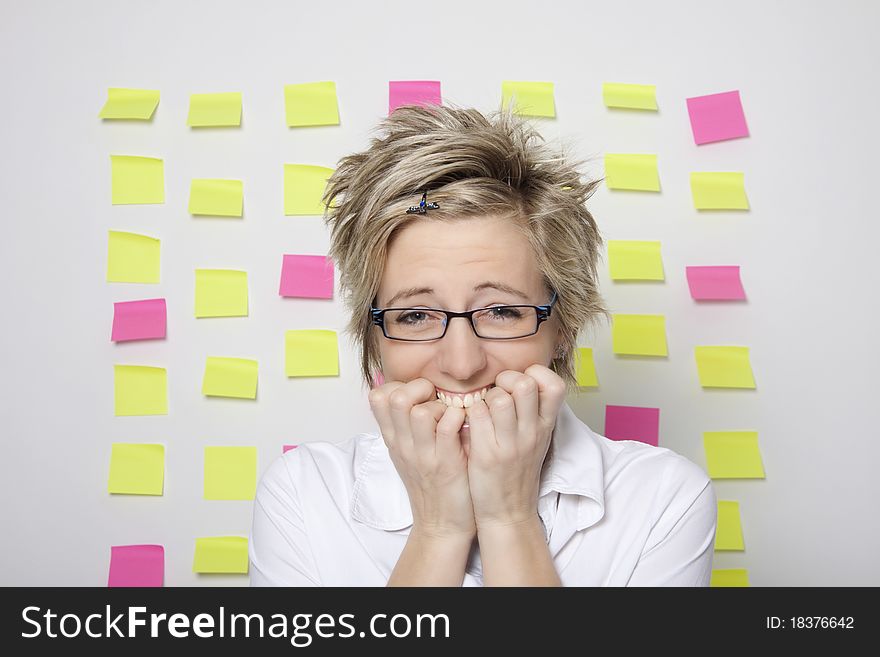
551,393
401,402
424,419
481,428
524,390
380,405
502,410
448,442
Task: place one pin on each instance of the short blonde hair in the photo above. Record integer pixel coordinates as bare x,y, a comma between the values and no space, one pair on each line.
470,165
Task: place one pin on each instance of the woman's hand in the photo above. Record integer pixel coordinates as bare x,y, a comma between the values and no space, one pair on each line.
509,437
421,433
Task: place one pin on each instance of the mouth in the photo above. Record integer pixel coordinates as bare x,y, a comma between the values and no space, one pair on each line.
462,400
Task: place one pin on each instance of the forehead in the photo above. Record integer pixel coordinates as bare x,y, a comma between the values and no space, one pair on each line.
460,249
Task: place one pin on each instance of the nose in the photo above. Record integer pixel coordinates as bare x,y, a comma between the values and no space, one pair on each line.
461,351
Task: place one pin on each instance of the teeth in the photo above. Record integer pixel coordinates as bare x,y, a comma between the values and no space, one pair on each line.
459,402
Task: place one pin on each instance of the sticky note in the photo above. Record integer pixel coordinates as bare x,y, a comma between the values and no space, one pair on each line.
715,283
140,390
311,352
631,260
733,455
221,293
529,98
132,258
634,171
221,554
639,335
230,473
138,320
630,96
585,368
214,110
136,565
137,469
729,577
378,379
719,190
632,423
307,276
311,103
124,103
724,367
729,535
413,92
135,179
304,186
230,377
287,448
717,117
216,197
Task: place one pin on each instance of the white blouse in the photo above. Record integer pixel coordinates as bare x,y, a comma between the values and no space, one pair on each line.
615,513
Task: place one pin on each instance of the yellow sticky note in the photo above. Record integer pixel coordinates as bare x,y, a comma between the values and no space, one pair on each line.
636,171
136,179
529,98
230,377
132,258
221,554
140,390
137,469
230,473
631,260
214,110
130,103
729,577
729,534
216,197
585,368
639,335
221,293
724,367
719,190
311,352
303,188
733,455
312,103
630,96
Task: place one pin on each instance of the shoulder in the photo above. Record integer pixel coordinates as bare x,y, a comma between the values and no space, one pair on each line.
334,463
662,479
660,465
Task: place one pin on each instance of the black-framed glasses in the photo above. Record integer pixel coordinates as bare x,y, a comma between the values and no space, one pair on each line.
505,322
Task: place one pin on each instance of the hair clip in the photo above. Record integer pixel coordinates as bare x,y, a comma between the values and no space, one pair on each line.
423,206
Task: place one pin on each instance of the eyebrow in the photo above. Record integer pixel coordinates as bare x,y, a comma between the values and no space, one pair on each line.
406,293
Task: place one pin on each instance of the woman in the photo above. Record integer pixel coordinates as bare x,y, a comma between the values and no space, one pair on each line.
481,474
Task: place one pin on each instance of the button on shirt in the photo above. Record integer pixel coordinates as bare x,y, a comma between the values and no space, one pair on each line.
615,513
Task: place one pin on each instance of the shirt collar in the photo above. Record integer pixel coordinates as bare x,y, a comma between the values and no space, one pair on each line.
575,466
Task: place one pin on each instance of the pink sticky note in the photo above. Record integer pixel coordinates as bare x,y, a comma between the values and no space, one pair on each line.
717,117
413,92
632,423
378,379
287,448
308,276
718,283
138,320
137,565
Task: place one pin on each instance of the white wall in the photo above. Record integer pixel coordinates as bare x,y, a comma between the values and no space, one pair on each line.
806,248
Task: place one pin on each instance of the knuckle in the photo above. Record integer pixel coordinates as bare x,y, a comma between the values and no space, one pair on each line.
499,403
376,397
420,413
525,386
399,400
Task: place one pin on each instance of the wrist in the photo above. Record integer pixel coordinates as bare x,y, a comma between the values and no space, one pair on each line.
442,535
523,525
